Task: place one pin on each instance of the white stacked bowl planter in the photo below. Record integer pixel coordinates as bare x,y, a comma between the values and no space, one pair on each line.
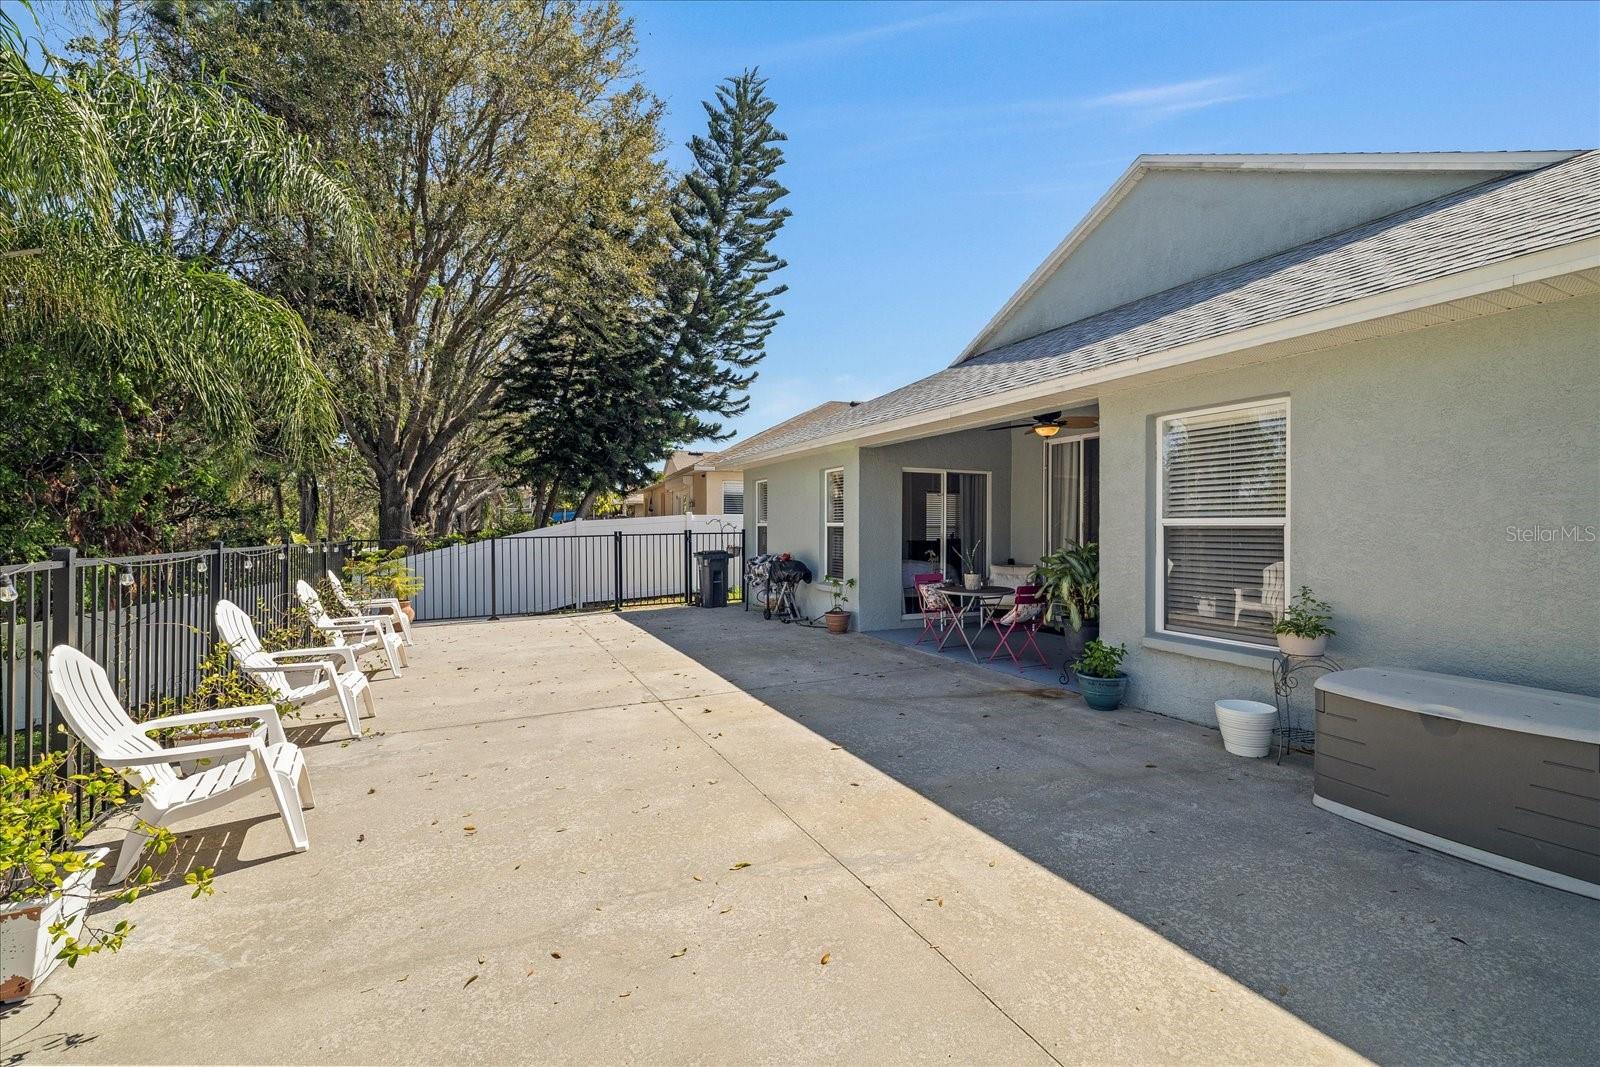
1246,726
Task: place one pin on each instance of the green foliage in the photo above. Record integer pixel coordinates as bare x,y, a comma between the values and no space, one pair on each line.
1306,617
838,590
40,850
1100,660
510,163
108,323
619,372
1069,583
970,558
383,573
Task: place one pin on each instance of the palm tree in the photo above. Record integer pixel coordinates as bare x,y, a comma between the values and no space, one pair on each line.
86,151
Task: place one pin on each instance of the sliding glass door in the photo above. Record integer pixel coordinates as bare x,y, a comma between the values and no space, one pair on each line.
1072,492
944,515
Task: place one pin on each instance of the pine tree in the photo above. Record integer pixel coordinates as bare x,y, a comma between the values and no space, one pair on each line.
612,377
727,216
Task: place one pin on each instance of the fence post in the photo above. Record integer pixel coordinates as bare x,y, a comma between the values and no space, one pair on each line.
64,597
688,566
494,581
214,593
616,570
744,572
287,584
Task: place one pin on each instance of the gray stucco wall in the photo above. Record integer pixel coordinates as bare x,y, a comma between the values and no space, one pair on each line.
1410,457
794,510
1175,226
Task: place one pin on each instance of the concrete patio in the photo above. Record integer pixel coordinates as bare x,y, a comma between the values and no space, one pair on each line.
691,836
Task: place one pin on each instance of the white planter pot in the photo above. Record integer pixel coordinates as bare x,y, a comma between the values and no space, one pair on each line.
27,954
972,581
1246,726
1290,645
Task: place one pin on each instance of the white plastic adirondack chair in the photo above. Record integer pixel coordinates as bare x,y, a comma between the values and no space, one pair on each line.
1271,595
386,606
361,633
330,671
87,701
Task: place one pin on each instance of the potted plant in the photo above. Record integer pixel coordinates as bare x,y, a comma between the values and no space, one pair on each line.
383,573
1304,629
836,618
46,877
1100,677
971,576
222,685
1069,584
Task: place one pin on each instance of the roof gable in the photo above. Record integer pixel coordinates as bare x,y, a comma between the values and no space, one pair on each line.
1170,220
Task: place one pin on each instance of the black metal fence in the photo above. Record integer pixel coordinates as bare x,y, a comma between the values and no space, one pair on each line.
148,620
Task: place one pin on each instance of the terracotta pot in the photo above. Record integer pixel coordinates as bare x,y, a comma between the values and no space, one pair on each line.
411,615
838,621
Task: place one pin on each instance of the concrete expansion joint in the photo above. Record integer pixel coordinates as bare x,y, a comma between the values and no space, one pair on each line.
781,810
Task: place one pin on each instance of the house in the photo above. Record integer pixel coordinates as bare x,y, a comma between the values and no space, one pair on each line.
1374,374
712,483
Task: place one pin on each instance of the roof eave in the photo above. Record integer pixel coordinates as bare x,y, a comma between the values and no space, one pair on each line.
1566,259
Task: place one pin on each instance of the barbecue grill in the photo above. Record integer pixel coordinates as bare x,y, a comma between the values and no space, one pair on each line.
774,580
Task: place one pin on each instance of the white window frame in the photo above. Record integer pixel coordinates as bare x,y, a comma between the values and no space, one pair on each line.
1049,501
1162,522
726,485
944,491
761,513
828,523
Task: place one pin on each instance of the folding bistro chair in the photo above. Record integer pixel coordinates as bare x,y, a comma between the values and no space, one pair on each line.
1022,618
935,608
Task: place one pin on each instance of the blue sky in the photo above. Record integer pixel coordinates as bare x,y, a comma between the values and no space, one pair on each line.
938,151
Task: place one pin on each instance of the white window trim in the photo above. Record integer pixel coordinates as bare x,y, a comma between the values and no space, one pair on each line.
944,486
1044,474
828,523
729,484
1160,579
762,507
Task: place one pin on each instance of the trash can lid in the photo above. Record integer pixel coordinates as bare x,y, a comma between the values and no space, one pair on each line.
713,553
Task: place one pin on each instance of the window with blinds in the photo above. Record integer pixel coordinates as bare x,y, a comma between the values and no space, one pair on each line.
761,517
833,522
1223,513
733,498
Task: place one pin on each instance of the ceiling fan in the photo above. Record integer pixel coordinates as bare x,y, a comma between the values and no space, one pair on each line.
1051,423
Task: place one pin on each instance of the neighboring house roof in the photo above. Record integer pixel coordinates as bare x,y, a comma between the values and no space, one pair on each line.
731,458
1497,221
679,461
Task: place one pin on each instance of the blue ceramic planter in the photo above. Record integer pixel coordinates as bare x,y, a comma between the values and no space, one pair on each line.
1103,694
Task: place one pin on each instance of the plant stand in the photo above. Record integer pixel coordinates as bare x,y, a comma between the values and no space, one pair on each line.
1286,678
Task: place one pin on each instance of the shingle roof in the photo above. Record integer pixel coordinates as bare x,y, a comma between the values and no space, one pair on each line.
1475,227
731,457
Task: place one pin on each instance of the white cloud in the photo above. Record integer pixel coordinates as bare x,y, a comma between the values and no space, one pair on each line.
1176,98
845,40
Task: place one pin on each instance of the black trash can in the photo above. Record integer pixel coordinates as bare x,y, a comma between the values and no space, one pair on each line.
713,568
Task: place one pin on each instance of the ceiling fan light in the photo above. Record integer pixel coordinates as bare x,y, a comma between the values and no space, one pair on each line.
1046,429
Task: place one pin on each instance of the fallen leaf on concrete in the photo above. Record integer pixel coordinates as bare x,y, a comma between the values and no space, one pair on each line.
629,994
725,911
528,975
697,878
678,955
826,956
469,828
371,791
741,865
555,955
402,978
1453,937
480,960
360,838
469,981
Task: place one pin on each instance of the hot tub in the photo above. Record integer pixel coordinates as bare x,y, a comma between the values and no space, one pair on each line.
1502,775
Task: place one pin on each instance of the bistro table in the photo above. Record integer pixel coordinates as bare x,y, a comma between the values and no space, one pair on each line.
965,602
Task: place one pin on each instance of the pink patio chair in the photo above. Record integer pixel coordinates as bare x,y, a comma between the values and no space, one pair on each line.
936,613
1022,618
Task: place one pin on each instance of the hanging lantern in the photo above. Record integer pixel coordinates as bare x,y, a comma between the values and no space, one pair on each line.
8,590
